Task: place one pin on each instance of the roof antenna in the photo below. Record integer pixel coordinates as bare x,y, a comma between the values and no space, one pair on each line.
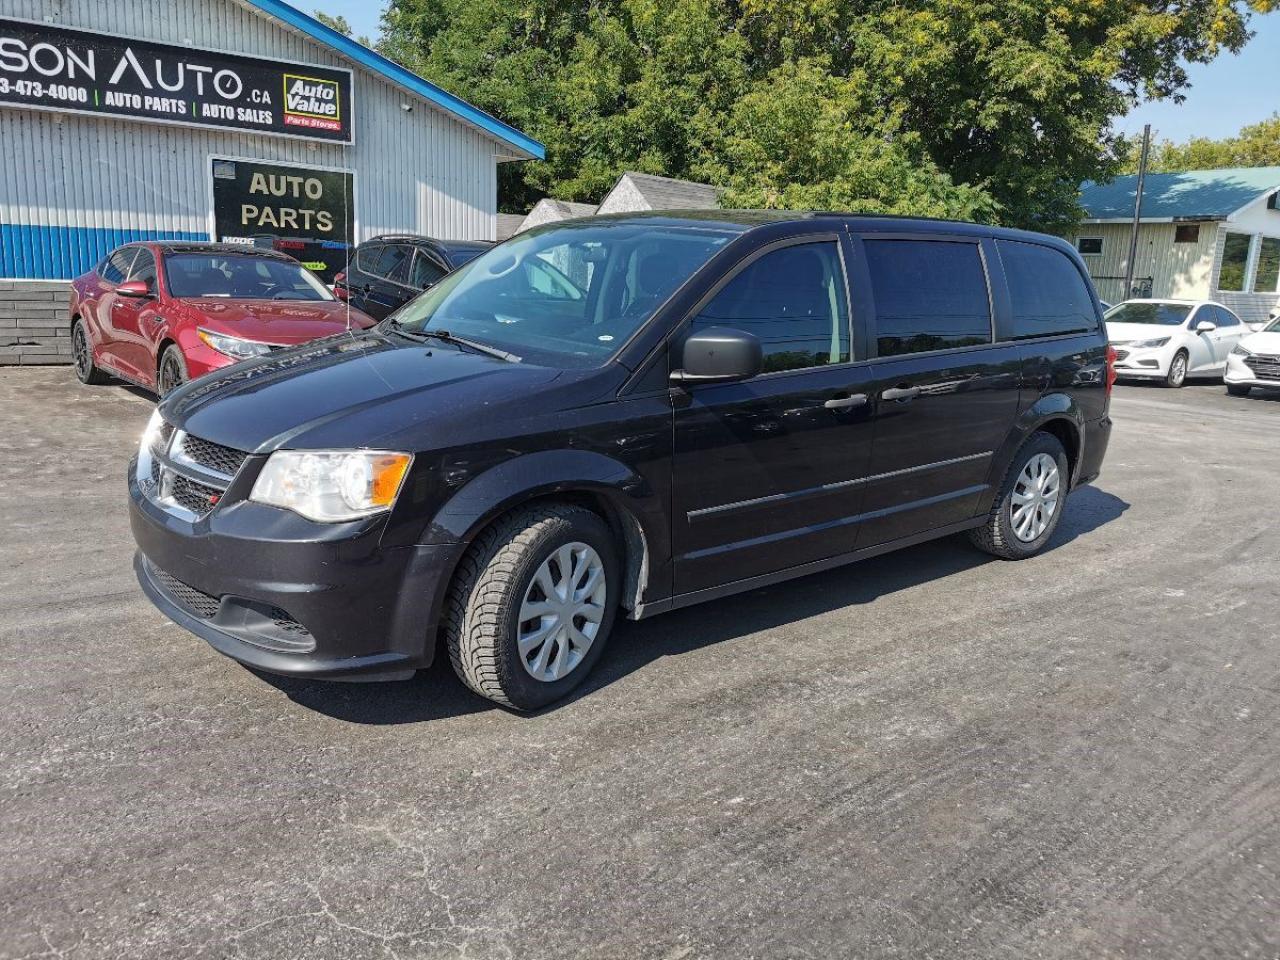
346,217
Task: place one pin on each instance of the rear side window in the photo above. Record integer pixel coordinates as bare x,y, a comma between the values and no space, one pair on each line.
793,300
1047,295
1226,318
392,262
929,295
116,266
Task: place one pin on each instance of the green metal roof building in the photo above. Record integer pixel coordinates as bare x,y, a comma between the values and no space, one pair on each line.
1203,234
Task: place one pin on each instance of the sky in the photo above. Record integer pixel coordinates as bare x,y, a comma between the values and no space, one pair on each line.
1225,95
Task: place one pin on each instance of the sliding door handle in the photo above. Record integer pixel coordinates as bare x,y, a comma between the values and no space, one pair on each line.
900,393
846,403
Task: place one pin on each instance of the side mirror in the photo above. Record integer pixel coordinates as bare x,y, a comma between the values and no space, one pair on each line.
134,288
1206,326
719,355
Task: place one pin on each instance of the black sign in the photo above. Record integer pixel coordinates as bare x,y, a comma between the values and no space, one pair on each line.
304,212
55,68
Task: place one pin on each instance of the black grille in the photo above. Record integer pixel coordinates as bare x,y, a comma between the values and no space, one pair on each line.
213,456
197,497
286,623
194,601
1264,367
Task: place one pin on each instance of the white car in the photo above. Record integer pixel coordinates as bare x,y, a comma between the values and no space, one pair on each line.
1255,361
1170,340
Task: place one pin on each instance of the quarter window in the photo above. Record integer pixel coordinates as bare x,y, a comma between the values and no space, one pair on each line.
1226,318
793,299
1046,292
929,295
1235,258
367,257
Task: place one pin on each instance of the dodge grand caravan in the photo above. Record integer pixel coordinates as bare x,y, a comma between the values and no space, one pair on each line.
711,403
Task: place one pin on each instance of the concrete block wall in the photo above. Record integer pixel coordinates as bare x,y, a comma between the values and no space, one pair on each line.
35,325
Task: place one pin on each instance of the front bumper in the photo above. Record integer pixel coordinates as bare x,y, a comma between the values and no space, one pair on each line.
1238,372
285,595
1143,363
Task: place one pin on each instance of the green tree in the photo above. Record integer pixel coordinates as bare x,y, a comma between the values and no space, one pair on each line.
994,109
1256,145
340,24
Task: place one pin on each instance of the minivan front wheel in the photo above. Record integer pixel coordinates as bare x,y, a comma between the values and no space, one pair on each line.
532,604
1030,502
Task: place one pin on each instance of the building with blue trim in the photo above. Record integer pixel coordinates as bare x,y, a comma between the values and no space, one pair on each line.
120,121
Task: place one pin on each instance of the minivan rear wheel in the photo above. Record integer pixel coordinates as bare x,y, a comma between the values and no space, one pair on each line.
532,604
1030,502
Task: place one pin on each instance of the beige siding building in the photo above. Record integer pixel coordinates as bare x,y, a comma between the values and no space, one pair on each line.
1203,234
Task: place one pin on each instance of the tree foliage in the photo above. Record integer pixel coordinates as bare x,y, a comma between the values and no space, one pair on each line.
988,109
1257,145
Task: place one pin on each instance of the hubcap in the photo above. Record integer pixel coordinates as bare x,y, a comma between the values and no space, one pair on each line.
1035,497
170,375
561,613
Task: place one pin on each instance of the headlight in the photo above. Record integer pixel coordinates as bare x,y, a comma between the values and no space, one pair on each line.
331,485
232,346
151,435
1241,351
1157,342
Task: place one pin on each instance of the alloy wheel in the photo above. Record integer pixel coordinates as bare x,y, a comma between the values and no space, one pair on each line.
80,351
1178,372
170,374
562,610
1035,497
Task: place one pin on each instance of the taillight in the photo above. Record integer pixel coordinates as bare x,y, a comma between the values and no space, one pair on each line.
1111,368
339,290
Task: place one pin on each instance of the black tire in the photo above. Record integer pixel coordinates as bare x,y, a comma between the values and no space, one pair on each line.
481,615
1238,389
82,356
1173,378
996,536
171,372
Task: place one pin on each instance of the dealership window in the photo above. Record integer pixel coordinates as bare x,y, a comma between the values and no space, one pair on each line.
1089,246
1235,261
1186,233
929,295
1267,276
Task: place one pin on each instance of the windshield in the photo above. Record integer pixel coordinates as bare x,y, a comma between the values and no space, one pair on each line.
1160,314
567,295
1273,326
241,277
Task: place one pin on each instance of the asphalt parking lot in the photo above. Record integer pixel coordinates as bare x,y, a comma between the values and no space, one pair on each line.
932,754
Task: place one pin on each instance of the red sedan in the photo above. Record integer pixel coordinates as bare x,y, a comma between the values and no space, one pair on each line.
159,314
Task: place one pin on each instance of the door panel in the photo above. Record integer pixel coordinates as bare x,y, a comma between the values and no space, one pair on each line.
933,448
133,320
1202,356
767,474
115,349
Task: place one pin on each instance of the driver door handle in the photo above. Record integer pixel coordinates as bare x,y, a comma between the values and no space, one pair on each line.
845,403
900,393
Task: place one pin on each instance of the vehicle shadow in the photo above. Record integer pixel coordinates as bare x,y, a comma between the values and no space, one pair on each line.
435,693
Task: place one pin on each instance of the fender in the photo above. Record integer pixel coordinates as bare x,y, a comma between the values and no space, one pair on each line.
1059,407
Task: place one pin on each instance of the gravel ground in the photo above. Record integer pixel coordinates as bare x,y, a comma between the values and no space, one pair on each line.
929,755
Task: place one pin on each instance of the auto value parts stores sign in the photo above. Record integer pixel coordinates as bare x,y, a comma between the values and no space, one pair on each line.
306,212
55,68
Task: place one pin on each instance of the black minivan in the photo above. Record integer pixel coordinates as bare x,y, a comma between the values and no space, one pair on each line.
387,272
629,413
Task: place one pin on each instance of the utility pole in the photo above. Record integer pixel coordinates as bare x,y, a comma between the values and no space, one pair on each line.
1137,212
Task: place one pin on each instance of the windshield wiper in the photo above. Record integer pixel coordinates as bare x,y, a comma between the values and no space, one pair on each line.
448,337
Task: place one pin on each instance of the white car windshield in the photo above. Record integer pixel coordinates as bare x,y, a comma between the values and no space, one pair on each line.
568,295
1159,314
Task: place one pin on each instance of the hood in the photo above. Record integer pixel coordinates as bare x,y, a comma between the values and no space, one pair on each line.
1125,332
351,391
1267,342
275,321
